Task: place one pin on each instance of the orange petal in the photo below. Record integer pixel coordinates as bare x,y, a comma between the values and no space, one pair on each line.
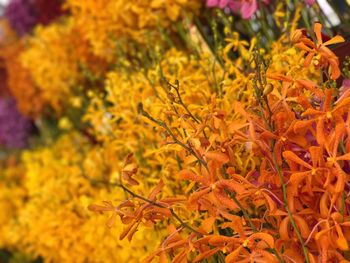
225,201
289,155
197,195
296,178
316,155
181,257
264,256
335,40
341,240
270,202
176,244
163,258
206,254
231,186
308,59
217,156
339,186
302,225
207,224
320,134
270,241
335,71
312,258
324,205
156,190
284,229
191,176
304,47
126,231
111,220
302,125
232,257
317,30
219,240
344,157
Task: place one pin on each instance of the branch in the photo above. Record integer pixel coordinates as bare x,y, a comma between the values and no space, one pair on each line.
172,135
120,185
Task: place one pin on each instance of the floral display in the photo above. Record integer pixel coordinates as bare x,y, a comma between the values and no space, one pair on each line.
101,22
174,131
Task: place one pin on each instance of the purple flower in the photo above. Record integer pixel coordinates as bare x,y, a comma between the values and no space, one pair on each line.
14,128
21,15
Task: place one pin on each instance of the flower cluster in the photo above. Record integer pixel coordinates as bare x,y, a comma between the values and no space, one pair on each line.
56,58
52,220
249,166
173,131
102,22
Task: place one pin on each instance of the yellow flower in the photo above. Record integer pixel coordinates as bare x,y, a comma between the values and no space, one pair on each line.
65,124
104,22
47,213
57,57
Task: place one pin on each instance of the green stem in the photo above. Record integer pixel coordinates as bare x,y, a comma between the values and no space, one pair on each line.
307,23
285,199
248,218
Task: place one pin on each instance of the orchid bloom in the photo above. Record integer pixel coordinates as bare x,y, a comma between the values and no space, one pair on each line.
327,57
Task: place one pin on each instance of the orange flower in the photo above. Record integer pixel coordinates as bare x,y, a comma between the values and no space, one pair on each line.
312,174
327,57
322,117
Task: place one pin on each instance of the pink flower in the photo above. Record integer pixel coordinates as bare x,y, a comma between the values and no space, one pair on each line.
217,3
310,2
246,8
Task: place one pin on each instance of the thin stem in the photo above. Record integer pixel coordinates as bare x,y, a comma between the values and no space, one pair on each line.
199,26
246,215
176,87
307,23
172,135
285,204
248,218
176,216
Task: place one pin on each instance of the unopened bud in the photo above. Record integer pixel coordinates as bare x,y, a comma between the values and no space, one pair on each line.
268,89
296,35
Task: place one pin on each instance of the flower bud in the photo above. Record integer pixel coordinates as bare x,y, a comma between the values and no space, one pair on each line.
268,89
296,35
